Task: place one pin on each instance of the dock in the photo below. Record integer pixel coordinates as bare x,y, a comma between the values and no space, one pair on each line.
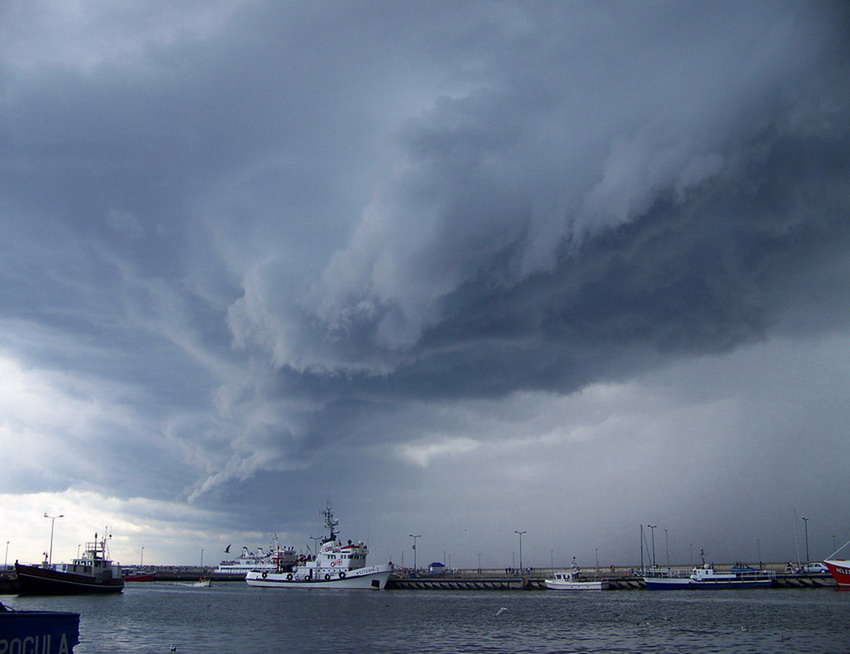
618,580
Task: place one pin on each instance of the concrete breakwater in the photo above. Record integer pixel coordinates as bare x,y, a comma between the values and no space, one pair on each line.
475,582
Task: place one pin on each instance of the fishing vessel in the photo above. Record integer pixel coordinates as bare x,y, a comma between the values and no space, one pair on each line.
45,632
574,580
840,570
667,579
263,560
138,575
335,565
707,576
90,573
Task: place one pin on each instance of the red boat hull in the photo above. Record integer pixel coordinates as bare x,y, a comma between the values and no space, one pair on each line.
840,571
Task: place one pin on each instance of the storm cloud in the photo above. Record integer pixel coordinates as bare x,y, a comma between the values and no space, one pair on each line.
407,255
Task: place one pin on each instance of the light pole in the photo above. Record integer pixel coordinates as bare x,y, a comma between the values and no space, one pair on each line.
479,562
6,560
202,558
520,533
52,522
758,547
667,547
652,527
142,557
806,525
414,537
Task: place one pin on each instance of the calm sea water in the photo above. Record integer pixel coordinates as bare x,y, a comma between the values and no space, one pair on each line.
234,618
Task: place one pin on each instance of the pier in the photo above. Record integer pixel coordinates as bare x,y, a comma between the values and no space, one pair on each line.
619,579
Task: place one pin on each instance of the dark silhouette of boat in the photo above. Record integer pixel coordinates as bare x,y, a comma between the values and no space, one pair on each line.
90,573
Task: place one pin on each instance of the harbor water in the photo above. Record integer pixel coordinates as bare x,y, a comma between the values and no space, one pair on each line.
162,617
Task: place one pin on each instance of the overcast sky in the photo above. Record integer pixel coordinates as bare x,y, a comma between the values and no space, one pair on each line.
460,268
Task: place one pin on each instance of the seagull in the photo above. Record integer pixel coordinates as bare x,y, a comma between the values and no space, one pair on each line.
500,611
745,628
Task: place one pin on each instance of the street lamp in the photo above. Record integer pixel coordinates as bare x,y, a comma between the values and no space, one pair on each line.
202,558
806,523
142,557
667,547
52,522
520,548
653,543
414,548
6,560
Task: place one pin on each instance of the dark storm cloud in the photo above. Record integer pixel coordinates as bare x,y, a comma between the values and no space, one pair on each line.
249,244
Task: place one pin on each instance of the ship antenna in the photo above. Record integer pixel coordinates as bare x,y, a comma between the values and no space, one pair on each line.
330,523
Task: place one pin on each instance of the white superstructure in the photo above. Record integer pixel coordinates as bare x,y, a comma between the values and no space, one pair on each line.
263,560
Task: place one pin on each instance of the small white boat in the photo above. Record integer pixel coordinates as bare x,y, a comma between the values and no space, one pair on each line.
334,566
667,579
574,580
203,582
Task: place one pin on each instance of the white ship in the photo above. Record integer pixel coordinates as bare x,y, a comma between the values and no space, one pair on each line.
336,565
574,580
263,560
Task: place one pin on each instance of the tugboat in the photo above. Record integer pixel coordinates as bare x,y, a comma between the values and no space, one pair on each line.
90,573
334,566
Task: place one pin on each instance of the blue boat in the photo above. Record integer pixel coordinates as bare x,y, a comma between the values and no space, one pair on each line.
45,632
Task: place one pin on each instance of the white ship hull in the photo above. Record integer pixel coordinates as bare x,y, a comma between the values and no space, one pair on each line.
574,580
370,578
555,584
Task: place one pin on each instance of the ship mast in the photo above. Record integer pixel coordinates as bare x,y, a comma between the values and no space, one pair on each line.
330,523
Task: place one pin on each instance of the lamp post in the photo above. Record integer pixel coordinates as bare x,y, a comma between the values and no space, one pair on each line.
806,525
414,537
52,522
142,557
479,562
202,558
6,559
520,533
667,547
652,527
